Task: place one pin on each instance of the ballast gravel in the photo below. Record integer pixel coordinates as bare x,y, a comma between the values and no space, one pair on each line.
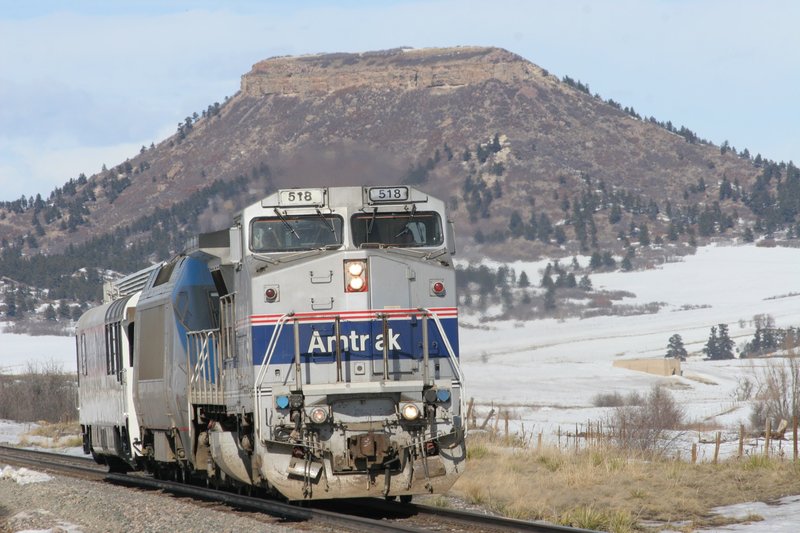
68,505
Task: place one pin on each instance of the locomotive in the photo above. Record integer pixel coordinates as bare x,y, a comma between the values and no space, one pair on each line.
310,350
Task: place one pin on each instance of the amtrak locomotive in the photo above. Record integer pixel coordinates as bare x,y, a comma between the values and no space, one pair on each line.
310,350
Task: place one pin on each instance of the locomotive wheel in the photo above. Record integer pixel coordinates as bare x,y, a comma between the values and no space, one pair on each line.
406,498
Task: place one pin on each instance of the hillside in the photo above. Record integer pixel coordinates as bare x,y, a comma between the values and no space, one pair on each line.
530,164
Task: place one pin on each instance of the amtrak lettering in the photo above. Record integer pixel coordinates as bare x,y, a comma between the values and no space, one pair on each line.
354,342
357,339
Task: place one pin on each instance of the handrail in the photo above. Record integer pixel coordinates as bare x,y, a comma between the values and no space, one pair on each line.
227,326
206,378
453,360
262,371
273,342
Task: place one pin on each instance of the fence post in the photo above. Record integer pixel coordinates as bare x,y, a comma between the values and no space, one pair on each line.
741,441
488,417
716,447
767,436
576,436
694,453
794,437
505,420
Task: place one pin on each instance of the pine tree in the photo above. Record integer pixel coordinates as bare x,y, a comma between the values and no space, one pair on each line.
644,235
585,283
596,261
672,232
515,225
550,298
675,348
615,214
724,343
711,348
11,304
523,280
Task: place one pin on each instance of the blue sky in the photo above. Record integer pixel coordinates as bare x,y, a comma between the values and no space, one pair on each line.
84,83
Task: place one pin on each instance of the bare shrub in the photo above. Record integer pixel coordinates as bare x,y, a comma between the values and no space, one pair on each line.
615,399
744,389
777,394
645,426
608,399
43,392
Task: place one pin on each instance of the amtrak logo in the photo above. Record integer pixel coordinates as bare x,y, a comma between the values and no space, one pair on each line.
354,342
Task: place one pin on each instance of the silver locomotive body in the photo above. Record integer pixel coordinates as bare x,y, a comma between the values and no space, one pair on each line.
319,358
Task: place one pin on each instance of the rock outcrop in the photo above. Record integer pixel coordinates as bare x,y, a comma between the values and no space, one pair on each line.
406,69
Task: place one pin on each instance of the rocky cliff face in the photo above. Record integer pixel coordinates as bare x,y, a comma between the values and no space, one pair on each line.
403,69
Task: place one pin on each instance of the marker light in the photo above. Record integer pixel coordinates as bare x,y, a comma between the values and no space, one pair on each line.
282,402
318,415
437,288
442,395
271,294
410,411
355,275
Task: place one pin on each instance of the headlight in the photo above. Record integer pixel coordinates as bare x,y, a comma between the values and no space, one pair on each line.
355,268
318,415
355,275
409,411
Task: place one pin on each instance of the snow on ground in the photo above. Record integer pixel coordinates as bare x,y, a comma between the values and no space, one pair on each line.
548,371
18,351
12,432
779,517
23,476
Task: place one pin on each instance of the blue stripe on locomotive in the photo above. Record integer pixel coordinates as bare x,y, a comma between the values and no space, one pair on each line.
359,340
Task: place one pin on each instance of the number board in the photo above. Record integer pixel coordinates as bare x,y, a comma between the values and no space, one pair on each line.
388,194
300,197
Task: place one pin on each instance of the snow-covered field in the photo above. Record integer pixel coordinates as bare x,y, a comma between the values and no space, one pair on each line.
17,352
547,372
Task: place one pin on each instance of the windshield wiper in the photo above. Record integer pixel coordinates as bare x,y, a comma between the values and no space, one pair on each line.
328,223
286,223
371,221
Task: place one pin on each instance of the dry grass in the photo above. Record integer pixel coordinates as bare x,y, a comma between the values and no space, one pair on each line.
612,490
59,435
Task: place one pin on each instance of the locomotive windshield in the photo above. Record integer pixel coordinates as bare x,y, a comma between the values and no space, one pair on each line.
417,228
292,232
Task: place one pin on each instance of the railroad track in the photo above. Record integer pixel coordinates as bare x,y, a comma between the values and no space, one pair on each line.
365,514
